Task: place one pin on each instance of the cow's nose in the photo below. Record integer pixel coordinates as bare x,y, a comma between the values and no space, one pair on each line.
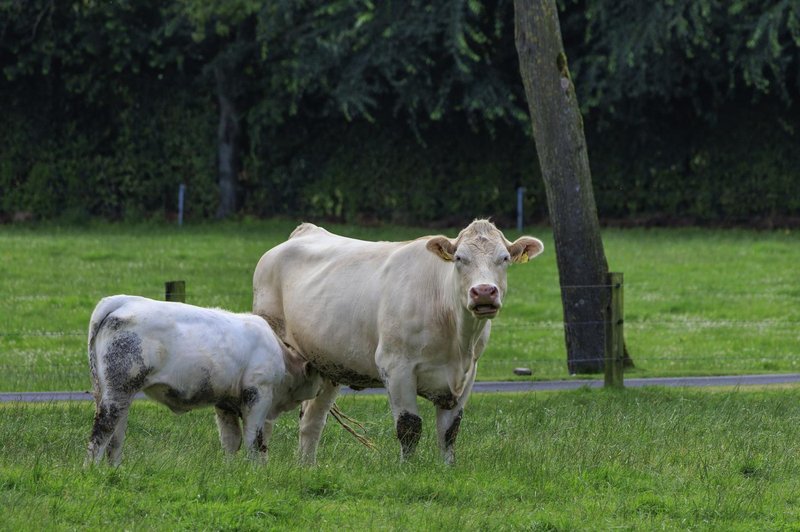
483,293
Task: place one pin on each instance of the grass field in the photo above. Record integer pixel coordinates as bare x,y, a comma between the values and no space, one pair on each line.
696,301
640,459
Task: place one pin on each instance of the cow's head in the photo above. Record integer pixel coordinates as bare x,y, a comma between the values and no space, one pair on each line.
480,256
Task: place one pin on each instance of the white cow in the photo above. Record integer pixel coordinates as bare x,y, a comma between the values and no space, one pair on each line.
188,357
410,316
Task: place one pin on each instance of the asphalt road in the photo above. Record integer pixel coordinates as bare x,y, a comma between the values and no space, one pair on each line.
490,387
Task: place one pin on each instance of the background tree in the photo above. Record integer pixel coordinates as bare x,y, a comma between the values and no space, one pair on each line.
564,160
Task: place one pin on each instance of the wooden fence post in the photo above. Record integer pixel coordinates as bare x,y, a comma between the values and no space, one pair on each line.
175,291
614,348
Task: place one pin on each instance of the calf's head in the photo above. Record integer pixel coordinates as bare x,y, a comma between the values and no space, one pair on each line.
307,384
303,380
480,255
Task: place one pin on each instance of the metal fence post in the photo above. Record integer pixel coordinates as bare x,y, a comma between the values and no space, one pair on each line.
175,291
181,197
614,346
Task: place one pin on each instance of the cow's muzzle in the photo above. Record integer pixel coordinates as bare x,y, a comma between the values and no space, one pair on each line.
484,301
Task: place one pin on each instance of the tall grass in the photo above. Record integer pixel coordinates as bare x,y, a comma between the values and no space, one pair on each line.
587,459
696,301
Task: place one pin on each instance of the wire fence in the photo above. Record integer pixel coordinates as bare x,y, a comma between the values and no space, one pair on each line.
28,356
684,324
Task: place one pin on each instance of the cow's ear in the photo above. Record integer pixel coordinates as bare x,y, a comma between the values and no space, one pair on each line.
525,248
442,246
309,370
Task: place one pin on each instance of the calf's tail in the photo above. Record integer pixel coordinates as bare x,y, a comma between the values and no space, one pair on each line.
103,310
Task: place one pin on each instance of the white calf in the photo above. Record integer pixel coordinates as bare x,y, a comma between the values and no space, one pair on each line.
188,357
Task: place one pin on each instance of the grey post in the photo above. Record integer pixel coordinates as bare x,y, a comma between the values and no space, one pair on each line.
181,197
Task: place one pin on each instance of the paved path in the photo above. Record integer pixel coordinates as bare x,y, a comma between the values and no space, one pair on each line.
489,387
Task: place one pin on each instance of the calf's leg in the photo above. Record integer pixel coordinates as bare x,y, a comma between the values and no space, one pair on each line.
109,416
114,449
313,414
230,433
123,374
254,414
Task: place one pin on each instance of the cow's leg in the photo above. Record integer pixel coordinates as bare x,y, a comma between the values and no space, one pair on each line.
254,414
230,433
448,422
313,414
108,415
402,389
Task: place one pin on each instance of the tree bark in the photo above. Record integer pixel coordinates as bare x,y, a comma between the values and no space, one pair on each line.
564,161
227,145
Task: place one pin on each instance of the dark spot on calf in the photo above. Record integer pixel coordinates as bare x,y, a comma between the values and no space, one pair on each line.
229,405
451,433
249,396
105,420
202,394
125,368
409,431
260,445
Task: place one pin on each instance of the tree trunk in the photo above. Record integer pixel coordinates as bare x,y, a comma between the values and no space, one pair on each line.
561,146
227,145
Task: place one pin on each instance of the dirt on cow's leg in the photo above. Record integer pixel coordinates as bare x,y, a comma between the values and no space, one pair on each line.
230,433
409,431
106,415
114,448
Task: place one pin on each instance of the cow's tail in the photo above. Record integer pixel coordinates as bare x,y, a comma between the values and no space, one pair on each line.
103,310
345,420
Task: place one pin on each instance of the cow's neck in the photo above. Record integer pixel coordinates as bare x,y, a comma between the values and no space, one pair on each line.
470,335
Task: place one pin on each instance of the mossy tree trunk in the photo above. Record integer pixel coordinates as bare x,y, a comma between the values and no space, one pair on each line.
561,147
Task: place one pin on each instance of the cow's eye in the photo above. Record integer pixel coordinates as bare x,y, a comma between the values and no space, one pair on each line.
506,258
458,258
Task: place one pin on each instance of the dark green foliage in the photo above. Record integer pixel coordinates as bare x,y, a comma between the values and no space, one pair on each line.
743,167
400,111
367,174
628,54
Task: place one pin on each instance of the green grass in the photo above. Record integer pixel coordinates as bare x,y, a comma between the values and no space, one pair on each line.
583,460
696,301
